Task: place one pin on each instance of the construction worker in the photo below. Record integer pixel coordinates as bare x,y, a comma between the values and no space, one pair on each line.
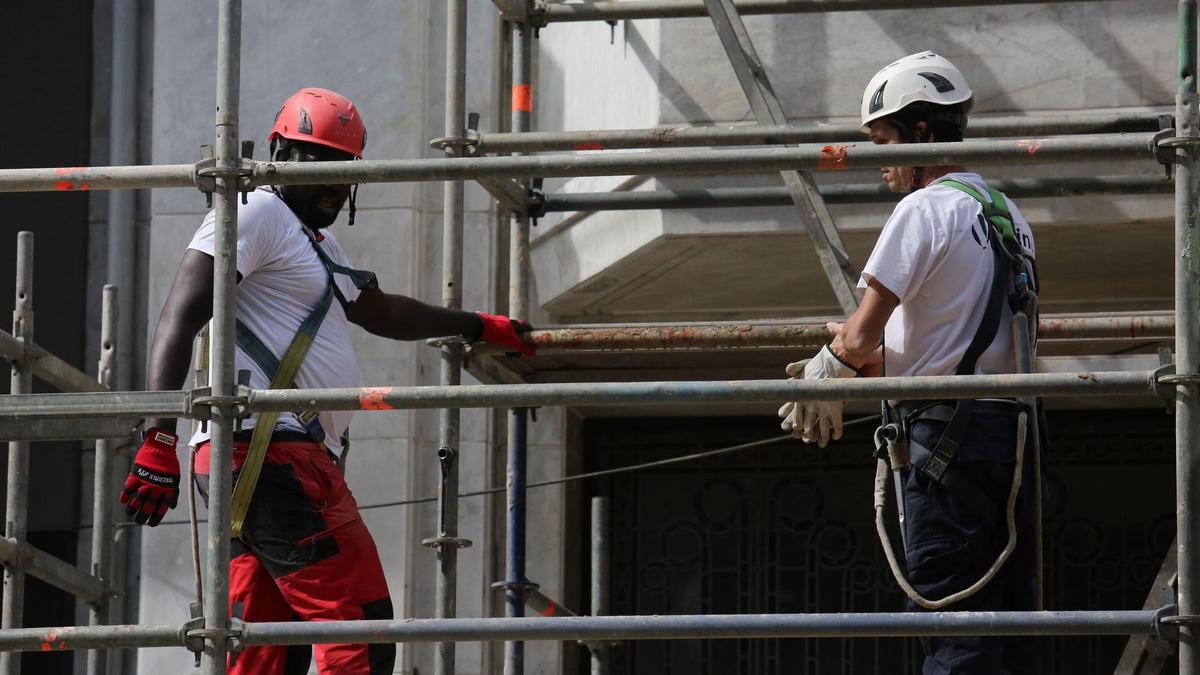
937,298
303,552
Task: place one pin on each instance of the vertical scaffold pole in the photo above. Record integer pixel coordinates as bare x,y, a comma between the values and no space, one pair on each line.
447,541
16,521
102,479
1187,358
518,307
600,567
216,597
122,204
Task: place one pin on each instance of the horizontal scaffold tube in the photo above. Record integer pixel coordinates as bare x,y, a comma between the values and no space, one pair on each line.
616,10
811,333
90,637
758,160
898,624
883,624
816,157
718,198
801,132
738,391
38,407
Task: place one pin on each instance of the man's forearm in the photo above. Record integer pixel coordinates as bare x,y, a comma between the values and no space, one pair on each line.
167,368
400,317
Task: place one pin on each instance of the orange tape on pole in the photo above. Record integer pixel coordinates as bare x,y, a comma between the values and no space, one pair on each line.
522,98
833,157
371,398
65,172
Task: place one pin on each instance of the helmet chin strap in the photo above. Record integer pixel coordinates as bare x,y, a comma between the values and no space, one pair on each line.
918,178
910,136
353,196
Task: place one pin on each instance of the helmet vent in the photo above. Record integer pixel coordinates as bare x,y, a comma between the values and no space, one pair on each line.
940,83
344,119
877,98
305,123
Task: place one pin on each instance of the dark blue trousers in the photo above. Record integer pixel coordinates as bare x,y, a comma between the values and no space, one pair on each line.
949,547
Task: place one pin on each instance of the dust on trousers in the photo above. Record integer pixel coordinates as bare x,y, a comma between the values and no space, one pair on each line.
949,547
304,555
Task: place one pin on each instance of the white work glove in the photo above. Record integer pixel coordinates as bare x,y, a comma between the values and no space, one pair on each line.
816,421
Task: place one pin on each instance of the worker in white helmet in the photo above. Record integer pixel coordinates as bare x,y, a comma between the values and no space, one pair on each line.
952,264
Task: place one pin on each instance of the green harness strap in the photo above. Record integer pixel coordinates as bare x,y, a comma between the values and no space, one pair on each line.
995,211
284,375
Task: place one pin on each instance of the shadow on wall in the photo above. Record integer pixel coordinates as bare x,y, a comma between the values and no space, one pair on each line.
1120,79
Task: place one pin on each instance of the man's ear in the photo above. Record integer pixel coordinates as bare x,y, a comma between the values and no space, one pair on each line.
921,133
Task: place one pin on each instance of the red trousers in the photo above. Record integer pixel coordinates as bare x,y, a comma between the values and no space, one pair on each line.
304,555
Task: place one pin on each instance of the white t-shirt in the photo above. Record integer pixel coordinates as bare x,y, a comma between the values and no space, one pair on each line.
282,280
934,254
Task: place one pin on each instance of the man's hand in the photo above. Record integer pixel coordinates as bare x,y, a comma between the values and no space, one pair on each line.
152,487
505,332
816,421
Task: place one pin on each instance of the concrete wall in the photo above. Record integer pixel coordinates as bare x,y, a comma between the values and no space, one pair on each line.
388,57
755,263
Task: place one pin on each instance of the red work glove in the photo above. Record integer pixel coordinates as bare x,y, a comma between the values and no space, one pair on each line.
153,483
505,332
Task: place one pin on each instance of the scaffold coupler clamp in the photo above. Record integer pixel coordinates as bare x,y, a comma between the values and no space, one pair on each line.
205,172
1167,621
518,589
202,402
195,634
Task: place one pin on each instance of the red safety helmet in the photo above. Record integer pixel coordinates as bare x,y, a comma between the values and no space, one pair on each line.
321,116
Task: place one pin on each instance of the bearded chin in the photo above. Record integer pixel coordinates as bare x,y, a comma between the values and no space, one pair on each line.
304,201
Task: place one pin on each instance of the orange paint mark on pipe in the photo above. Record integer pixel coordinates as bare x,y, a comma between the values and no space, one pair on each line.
522,98
590,145
65,172
371,398
1032,146
833,158
549,611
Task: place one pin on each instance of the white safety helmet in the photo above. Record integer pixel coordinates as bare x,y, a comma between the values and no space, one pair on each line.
917,77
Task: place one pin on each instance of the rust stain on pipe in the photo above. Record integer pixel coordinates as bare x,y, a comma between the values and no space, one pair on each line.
812,334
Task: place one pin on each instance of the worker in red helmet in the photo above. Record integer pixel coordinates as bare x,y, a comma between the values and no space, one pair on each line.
301,550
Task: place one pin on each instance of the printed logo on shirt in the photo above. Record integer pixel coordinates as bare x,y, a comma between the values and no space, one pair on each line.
981,236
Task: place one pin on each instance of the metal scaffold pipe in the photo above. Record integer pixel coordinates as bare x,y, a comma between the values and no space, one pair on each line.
617,10
216,592
1098,383
723,198
102,482
710,626
16,511
811,333
31,408
811,157
447,542
759,160
515,584
801,132
1187,336
883,624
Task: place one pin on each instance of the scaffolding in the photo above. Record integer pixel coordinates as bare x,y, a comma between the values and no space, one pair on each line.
94,409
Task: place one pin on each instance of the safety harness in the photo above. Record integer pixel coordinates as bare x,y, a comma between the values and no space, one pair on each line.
282,373
894,446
